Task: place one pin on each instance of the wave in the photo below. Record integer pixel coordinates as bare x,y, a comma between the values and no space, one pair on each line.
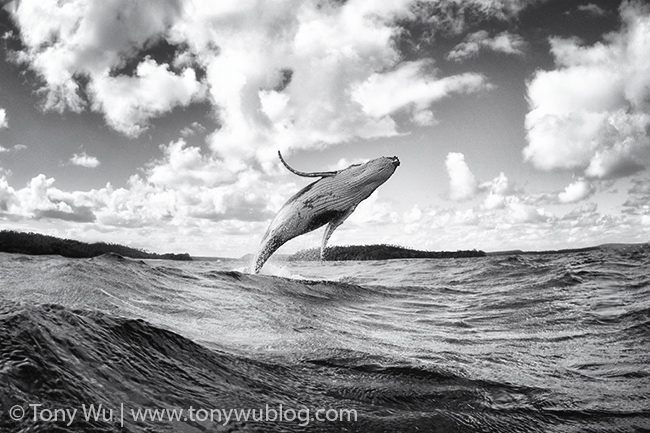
532,343
61,358
64,358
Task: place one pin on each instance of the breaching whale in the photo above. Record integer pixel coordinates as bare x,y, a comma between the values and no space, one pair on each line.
331,199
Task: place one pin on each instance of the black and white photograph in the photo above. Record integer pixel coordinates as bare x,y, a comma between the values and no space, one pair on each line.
324,216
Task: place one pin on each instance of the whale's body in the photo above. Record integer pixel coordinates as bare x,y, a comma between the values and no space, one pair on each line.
329,200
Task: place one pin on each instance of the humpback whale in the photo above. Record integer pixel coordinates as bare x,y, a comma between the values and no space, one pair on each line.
329,200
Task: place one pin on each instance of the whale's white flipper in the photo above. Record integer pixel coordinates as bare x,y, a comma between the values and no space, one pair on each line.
331,227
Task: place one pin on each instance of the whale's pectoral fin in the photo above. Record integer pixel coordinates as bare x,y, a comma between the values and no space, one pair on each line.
332,226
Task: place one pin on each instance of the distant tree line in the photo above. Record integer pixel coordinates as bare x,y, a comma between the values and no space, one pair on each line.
379,252
37,244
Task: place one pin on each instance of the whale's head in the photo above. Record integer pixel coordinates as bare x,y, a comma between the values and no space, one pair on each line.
373,173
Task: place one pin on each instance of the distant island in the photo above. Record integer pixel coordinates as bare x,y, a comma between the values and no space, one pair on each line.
37,244
378,252
386,252
602,247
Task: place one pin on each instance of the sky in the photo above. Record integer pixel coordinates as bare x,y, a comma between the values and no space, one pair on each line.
519,124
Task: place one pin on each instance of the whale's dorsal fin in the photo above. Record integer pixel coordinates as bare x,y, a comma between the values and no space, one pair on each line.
303,174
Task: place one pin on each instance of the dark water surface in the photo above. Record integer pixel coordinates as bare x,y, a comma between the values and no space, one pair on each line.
548,343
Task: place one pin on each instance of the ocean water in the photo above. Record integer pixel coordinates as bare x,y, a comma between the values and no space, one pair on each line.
530,343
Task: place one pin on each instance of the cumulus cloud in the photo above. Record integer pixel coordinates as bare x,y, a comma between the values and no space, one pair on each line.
453,17
413,215
7,195
519,225
384,93
14,148
4,122
592,113
510,205
520,213
183,191
183,165
78,49
194,128
185,187
462,183
576,191
592,9
638,202
285,71
345,163
40,199
84,160
498,189
128,102
226,218
423,117
278,72
500,193
301,74
504,42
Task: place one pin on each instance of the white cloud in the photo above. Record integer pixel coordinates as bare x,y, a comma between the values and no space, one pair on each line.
592,113
502,195
228,218
408,85
74,42
299,75
453,17
498,189
519,226
293,86
194,128
504,42
84,160
519,213
282,72
413,215
424,117
184,165
128,102
576,191
638,202
345,163
592,9
14,148
37,197
4,122
462,183
7,195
